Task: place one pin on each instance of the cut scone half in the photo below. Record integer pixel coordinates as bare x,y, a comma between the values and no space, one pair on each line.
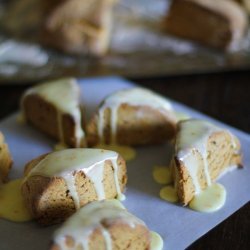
134,116
54,108
5,159
59,183
102,225
79,27
203,152
220,24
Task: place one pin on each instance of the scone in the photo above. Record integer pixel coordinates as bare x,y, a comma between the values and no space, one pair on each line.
220,24
79,27
102,225
202,153
134,116
5,159
54,108
59,183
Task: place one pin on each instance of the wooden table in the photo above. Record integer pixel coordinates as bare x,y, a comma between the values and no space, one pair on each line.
224,96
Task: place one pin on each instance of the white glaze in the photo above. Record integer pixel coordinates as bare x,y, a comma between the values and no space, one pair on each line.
194,135
80,225
64,95
66,162
133,97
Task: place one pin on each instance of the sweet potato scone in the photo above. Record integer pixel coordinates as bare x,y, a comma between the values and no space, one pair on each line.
220,24
59,183
134,116
102,225
202,153
5,159
54,108
79,27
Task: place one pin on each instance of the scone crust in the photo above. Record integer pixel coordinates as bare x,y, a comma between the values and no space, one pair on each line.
5,160
123,237
44,116
49,200
221,155
136,125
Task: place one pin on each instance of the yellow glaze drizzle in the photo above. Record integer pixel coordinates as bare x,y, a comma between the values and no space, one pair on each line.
162,174
168,193
128,153
12,206
156,241
209,200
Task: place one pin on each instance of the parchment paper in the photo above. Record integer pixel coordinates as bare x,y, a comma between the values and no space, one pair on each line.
179,226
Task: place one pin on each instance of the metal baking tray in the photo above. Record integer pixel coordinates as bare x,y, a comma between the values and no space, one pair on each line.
139,47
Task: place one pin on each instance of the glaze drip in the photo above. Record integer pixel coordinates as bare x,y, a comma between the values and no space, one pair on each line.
90,161
133,97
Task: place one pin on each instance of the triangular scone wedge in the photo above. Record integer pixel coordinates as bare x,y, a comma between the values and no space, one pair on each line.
5,159
102,224
203,152
54,108
79,27
219,24
134,116
59,183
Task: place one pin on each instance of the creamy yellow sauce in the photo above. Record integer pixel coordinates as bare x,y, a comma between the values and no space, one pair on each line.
128,153
162,174
209,200
181,116
168,193
156,241
12,205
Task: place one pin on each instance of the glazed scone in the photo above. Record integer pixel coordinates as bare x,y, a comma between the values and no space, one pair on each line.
54,108
79,27
59,183
102,225
5,159
202,153
134,116
220,24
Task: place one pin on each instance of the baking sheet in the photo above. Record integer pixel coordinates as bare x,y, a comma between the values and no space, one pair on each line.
178,226
139,47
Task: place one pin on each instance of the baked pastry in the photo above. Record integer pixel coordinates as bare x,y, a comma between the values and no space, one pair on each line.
54,108
245,4
102,225
79,27
5,159
202,153
134,116
220,24
59,183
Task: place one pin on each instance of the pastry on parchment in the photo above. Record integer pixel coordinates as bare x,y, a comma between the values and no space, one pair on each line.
79,27
59,183
54,108
220,24
5,159
134,116
203,152
102,225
